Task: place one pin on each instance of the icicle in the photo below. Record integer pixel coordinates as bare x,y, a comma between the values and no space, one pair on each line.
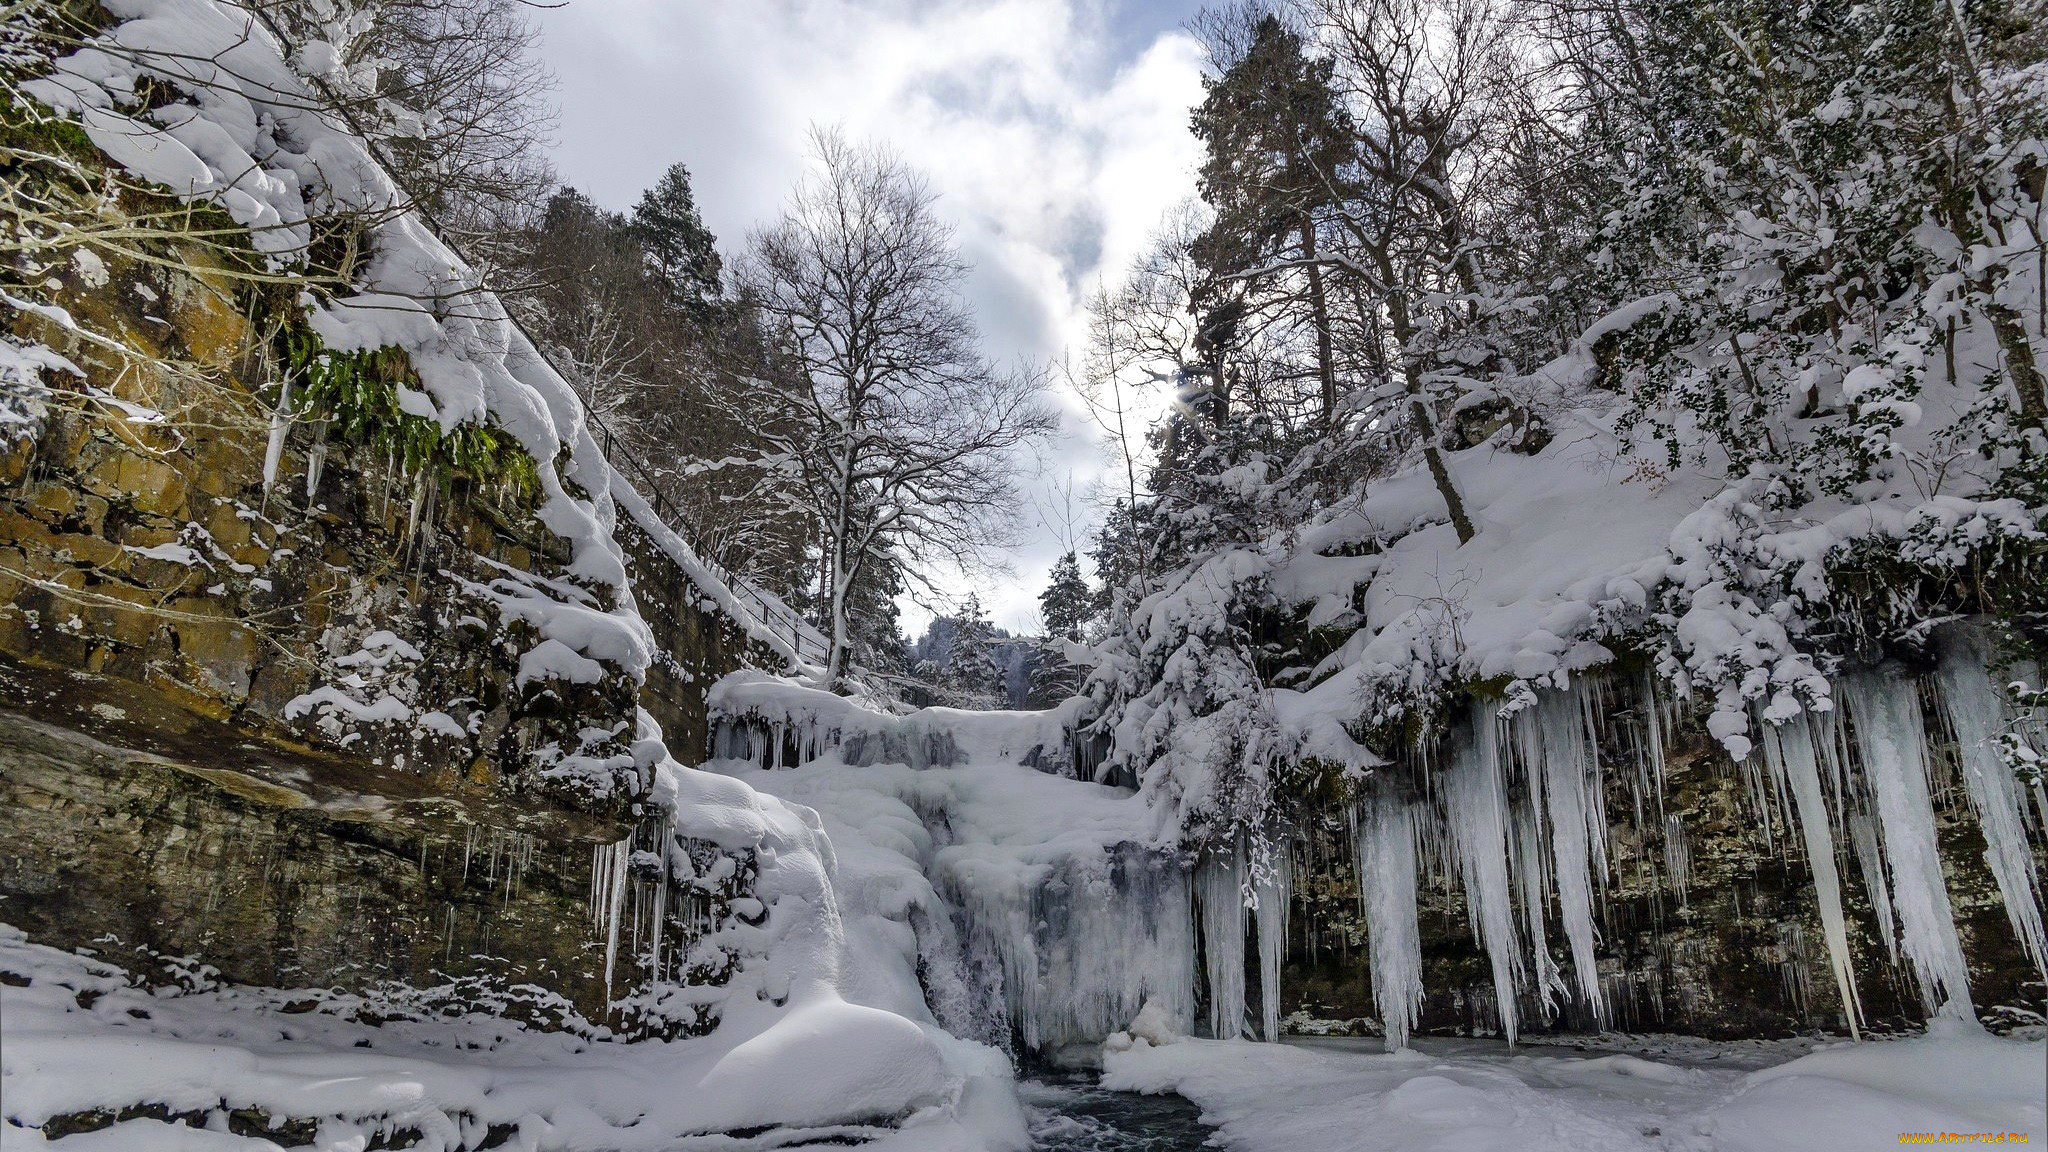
1529,864
1475,811
280,426
1760,793
1793,755
1677,857
1220,885
610,863
1870,862
1577,827
1977,714
1891,737
1794,966
1386,878
1273,891
661,885
316,460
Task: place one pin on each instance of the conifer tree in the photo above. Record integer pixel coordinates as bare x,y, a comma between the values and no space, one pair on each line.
1067,604
972,674
1067,607
680,249
1275,140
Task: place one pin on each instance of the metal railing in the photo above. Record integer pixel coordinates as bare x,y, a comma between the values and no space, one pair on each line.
767,609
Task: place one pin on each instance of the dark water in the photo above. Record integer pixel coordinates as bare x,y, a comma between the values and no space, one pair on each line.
1071,1114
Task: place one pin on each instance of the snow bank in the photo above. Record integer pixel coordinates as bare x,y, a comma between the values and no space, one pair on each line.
82,1035
1475,1096
771,719
1572,555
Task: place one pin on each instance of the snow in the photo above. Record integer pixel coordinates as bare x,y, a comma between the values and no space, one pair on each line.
22,365
822,1065
385,709
1030,900
1472,1096
553,660
168,553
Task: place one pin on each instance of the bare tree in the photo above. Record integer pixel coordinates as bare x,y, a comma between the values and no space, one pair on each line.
1142,337
894,432
452,91
1432,91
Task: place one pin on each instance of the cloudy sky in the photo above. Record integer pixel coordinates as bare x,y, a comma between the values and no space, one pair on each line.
1054,130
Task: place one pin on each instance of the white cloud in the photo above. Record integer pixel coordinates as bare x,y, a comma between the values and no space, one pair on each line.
1055,145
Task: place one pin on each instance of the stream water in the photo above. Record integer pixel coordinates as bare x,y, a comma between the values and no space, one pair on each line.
1070,1113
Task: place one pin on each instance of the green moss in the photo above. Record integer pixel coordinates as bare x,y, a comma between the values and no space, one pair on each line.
37,130
357,394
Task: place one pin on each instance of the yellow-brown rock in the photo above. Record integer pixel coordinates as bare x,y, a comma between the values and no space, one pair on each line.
144,482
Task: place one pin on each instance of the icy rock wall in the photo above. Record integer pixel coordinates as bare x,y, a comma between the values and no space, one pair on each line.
1589,858
129,831
346,604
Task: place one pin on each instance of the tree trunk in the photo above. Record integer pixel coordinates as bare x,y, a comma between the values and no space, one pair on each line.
842,529
1425,423
2020,364
1319,308
1432,452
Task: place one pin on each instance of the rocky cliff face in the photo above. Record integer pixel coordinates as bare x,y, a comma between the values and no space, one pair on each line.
273,699
1708,923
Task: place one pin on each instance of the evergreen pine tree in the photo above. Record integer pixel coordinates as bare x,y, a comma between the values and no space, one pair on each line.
972,674
1067,606
1275,138
681,251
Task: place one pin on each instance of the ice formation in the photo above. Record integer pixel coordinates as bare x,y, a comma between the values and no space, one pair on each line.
1272,890
1385,834
1512,812
1476,821
1557,734
1042,898
1884,712
1793,751
1977,714
1220,883
1079,947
